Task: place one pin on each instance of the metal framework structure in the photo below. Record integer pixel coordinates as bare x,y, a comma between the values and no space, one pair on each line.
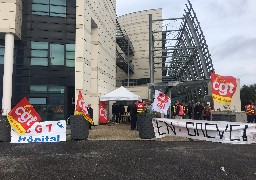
123,59
184,53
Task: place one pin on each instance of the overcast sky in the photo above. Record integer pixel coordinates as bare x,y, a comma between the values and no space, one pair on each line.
229,27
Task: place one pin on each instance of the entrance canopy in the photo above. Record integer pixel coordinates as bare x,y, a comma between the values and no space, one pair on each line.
120,94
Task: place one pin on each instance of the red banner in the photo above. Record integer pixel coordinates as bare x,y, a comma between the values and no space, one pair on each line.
103,113
223,88
23,116
81,108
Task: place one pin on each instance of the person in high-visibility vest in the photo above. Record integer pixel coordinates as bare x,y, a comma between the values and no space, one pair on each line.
140,107
250,112
190,109
179,111
173,110
254,111
185,109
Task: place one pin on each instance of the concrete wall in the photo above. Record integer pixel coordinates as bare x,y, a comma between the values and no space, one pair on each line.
142,91
95,69
240,116
10,17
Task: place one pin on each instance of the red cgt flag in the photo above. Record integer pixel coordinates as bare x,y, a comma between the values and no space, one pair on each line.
81,108
103,113
223,88
23,116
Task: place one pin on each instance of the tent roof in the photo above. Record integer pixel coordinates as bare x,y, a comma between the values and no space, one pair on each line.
120,94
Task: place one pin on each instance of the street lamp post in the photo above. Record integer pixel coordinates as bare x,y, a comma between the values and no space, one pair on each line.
151,61
128,62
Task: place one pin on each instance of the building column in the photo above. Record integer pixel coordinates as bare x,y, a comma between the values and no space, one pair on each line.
8,70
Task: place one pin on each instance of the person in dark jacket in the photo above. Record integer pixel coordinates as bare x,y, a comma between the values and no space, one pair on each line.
133,114
190,109
207,112
115,112
90,112
121,111
198,111
129,108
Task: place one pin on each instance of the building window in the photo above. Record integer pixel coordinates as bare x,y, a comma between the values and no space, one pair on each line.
37,100
57,54
49,7
1,54
56,89
38,89
47,89
39,53
135,82
42,56
70,55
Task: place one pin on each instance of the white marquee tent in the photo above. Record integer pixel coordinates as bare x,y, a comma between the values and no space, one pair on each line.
120,94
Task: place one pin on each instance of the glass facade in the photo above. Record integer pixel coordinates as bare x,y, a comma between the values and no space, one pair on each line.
48,100
44,58
49,7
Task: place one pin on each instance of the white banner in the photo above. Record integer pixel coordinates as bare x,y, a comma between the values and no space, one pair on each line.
215,131
48,131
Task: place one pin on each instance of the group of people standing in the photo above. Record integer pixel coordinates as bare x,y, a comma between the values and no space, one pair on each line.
117,111
179,111
138,107
133,109
186,111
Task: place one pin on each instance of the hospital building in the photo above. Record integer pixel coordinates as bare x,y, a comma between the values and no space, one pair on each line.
51,49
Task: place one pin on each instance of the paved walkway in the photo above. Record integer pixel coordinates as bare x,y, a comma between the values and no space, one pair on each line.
118,160
119,132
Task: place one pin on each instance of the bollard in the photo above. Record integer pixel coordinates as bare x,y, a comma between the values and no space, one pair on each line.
79,128
5,129
145,126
